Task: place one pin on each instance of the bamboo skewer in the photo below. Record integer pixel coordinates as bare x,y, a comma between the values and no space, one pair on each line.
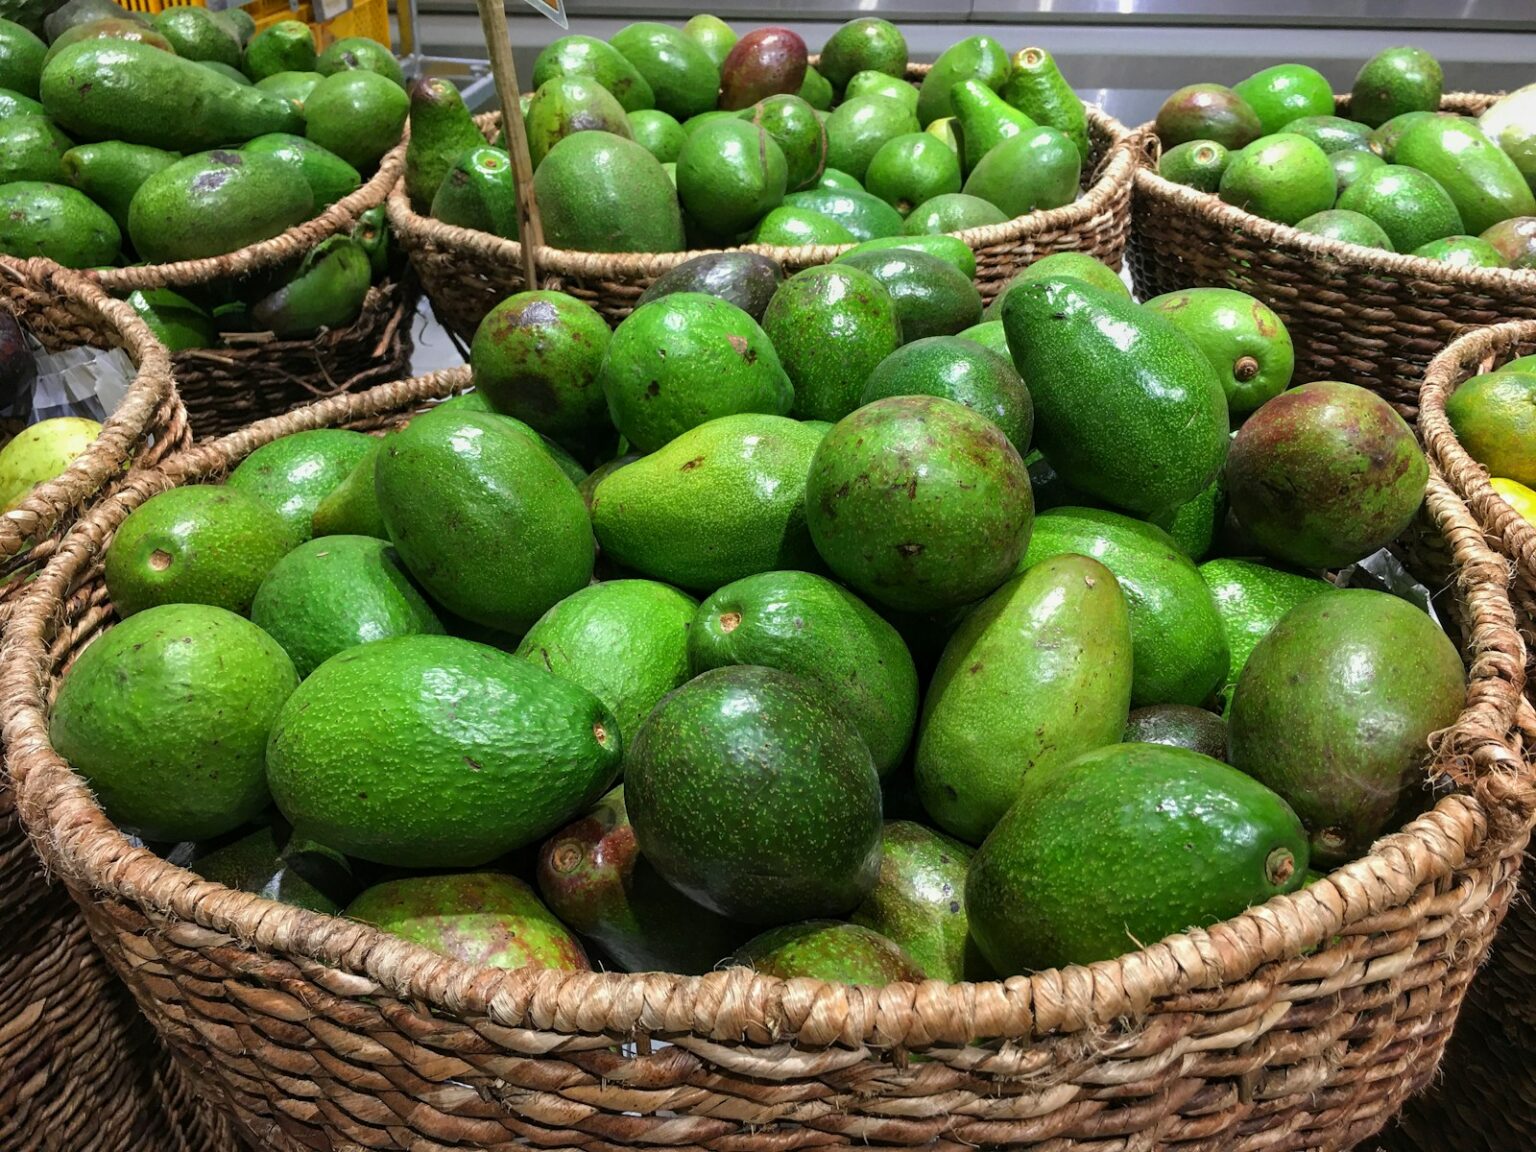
498,42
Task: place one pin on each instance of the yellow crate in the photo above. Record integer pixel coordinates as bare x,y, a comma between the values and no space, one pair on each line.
368,18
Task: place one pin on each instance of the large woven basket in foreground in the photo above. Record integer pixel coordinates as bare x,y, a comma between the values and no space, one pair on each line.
1301,1024
465,273
80,1069
257,375
1358,314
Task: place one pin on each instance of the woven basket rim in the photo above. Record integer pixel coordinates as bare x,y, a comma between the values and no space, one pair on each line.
1461,359
1479,753
122,432
1356,257
280,249
1115,171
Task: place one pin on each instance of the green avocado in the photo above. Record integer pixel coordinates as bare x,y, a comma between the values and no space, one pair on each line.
791,227
31,148
829,950
537,356
948,248
803,623
1350,227
56,222
335,593
1385,137
1515,241
1463,251
1040,672
1395,81
989,334
931,297
684,81
601,193
510,752
1178,726
1246,343
122,90
13,103
730,174
21,59
356,114
872,83
715,785
1122,846
1197,164
799,133
723,501
656,132
1035,170
1411,206
359,52
1335,708
227,72
1283,177
1332,133
745,279
327,291
1251,598
118,27
287,46
859,128
712,34
1480,179
919,503
962,371
985,120
569,104
479,192
831,326
1037,88
197,34
867,217
867,44
1077,265
686,359
210,203
1494,417
587,56
1180,647
294,87
329,176
292,475
483,517
979,58
1284,93
351,508
1350,166
835,181
953,212
177,322
815,90
1153,432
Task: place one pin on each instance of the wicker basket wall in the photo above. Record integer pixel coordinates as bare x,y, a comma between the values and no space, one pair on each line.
257,375
465,273
1301,1024
1356,314
80,1068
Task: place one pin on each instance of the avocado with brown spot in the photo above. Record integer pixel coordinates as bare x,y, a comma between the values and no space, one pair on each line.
588,56
215,202
537,356
1207,112
569,104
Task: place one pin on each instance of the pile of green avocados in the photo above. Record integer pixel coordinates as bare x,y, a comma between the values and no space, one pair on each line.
126,138
662,139
1398,174
806,623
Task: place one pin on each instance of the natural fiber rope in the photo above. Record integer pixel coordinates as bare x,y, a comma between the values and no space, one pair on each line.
725,1007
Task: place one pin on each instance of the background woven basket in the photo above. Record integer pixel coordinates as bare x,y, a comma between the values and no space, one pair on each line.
465,273
1357,314
1488,1094
80,1068
1301,1024
257,375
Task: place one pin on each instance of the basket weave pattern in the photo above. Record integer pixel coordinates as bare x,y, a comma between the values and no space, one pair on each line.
1301,1024
80,1069
465,273
257,376
1356,314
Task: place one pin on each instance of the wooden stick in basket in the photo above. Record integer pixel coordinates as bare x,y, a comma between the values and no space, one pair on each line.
498,42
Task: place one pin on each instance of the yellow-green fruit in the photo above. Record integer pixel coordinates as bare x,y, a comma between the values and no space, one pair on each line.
292,475
167,715
198,544
1284,93
1246,343
1494,416
41,453
1283,177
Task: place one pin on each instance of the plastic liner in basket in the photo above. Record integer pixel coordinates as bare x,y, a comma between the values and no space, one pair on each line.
466,273
80,1068
1356,314
257,375
1301,1024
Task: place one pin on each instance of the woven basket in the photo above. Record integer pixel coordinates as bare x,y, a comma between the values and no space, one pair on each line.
1301,1024
80,1069
465,273
1356,314
257,375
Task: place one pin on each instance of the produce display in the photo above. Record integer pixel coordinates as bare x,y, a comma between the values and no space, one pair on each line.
1396,173
34,451
1492,416
126,138
814,623
664,139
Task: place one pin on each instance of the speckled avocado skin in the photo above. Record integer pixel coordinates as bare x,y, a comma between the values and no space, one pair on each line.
829,950
1180,726
1334,710
436,752
1251,598
292,475
482,918
755,797
919,902
1121,847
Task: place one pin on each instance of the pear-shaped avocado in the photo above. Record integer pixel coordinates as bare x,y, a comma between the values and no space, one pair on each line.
981,379
479,192
745,279
860,127
1332,133
919,503
912,169
569,104
867,44
1246,343
831,326
721,502
1284,93
1325,474
685,359
815,91
351,508
1152,433
327,292
329,176
294,87
1207,112
1035,170
976,58
592,876
1039,673
683,79
951,249
1394,81
985,120
730,174
799,133
1179,840
1037,88
829,950
215,202
765,62
356,114
588,56
712,34
293,474
601,193
867,217
1335,708
1483,183
56,222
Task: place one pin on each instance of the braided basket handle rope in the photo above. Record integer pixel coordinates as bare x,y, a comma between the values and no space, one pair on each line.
719,1010
67,299
283,248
